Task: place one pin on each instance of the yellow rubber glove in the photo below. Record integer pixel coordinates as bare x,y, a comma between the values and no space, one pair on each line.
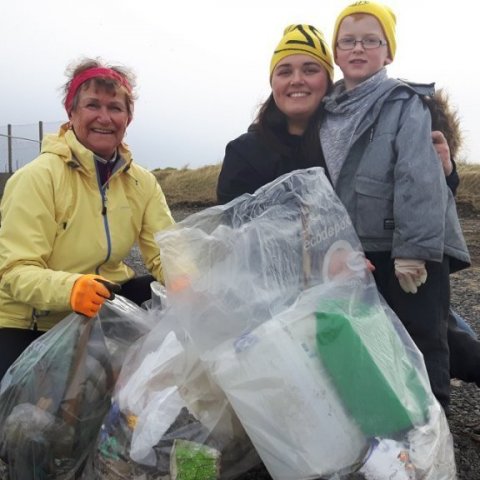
410,273
89,293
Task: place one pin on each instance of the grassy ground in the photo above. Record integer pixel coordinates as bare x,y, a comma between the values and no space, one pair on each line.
469,190
197,186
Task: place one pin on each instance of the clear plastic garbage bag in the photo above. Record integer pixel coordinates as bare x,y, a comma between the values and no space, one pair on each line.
168,417
274,291
54,397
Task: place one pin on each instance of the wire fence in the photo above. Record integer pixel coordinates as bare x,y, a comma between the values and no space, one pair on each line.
20,144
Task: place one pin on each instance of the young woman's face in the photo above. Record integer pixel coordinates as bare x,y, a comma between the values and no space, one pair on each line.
359,63
100,119
299,84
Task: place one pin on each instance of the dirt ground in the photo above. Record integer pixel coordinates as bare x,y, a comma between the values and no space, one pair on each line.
465,406
470,220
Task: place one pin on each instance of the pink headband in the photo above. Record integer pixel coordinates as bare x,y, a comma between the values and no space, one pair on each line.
87,75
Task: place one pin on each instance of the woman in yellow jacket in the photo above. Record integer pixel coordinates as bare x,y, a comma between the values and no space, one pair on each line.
70,217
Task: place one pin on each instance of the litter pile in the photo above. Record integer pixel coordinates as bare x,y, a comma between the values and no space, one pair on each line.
272,344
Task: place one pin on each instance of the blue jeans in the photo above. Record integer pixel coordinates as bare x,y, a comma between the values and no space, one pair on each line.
462,323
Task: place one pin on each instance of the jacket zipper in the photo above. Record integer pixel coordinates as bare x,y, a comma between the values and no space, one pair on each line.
103,194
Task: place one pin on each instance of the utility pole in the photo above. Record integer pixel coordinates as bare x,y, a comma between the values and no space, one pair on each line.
40,135
9,143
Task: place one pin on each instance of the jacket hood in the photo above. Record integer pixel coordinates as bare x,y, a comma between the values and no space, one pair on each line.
445,118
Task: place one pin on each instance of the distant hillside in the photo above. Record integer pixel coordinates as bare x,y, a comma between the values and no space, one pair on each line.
469,190
3,180
197,186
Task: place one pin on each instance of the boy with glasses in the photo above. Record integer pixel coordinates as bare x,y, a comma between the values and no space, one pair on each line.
376,137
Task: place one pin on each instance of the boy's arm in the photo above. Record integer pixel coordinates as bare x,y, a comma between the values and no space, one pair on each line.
420,192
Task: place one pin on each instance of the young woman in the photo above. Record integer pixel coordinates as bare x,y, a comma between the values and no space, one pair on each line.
285,137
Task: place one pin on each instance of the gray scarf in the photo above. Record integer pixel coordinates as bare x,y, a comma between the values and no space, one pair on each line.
344,111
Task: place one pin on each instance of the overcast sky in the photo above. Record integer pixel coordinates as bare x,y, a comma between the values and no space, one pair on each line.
202,66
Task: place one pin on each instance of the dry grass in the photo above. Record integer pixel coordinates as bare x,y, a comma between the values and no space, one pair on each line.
197,186
189,187
469,190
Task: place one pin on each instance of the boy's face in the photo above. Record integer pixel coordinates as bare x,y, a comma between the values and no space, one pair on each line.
359,63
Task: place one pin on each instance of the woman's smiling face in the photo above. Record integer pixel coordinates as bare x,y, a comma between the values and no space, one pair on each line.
100,119
299,84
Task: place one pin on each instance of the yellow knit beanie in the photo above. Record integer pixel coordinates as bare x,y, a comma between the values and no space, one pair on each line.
307,40
382,13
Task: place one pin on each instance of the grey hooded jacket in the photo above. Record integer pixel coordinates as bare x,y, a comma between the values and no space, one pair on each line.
392,183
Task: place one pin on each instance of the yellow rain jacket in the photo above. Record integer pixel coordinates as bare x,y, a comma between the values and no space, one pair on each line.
58,222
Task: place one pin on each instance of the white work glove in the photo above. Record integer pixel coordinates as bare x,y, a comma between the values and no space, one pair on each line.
410,273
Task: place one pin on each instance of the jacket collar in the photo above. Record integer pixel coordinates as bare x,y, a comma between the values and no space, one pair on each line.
66,145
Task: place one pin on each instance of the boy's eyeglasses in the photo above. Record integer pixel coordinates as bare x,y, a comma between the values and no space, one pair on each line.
367,43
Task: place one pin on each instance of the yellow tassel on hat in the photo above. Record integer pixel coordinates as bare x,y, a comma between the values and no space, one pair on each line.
382,13
307,40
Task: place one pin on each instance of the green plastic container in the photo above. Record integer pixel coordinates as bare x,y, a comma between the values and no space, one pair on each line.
368,364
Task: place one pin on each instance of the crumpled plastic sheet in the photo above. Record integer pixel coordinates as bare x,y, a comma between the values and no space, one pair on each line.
54,397
274,292
165,402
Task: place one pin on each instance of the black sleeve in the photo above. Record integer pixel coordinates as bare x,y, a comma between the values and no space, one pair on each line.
238,174
453,180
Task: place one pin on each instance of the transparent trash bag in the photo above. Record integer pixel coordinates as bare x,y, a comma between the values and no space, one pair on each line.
168,417
274,291
54,397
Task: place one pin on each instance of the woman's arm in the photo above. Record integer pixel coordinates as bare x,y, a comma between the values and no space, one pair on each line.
238,174
448,164
27,239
